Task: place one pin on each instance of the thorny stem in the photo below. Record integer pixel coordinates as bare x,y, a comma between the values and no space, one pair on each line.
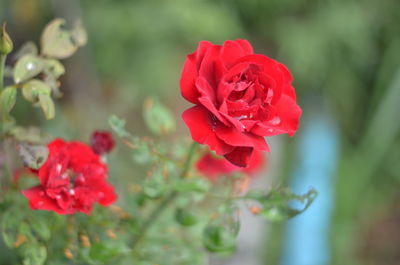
167,200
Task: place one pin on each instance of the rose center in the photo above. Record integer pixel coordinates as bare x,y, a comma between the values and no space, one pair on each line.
250,95
74,179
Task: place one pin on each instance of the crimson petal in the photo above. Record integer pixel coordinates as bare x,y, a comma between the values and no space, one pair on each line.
287,113
39,201
234,137
202,128
246,46
240,156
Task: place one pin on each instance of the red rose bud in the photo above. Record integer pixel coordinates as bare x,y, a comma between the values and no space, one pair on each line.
102,142
240,98
71,180
212,166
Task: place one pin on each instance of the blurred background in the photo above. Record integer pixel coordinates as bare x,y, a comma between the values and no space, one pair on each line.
345,59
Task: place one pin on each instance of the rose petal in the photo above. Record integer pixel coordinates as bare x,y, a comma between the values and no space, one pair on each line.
240,156
269,64
288,89
188,78
246,46
205,89
206,102
108,195
230,52
202,128
286,120
190,72
233,137
208,65
212,166
224,86
200,52
256,162
39,201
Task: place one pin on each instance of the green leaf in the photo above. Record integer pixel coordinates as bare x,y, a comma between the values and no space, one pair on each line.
47,105
217,238
57,42
154,186
54,68
78,34
10,227
40,226
27,67
282,204
104,253
32,89
24,229
28,134
54,85
185,217
33,156
142,154
34,254
118,126
192,185
7,101
220,235
157,117
28,48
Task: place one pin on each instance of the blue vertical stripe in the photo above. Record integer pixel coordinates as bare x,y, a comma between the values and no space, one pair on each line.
306,239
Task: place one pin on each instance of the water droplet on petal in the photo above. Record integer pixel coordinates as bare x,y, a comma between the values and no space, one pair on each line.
30,66
270,95
58,168
81,178
100,170
40,203
270,130
72,192
275,121
241,117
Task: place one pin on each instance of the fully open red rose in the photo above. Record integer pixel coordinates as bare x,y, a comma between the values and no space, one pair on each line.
240,98
71,180
212,167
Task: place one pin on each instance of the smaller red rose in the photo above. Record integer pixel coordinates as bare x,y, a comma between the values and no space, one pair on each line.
102,142
71,180
212,166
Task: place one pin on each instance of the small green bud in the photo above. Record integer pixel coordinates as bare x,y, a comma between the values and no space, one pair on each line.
6,44
185,217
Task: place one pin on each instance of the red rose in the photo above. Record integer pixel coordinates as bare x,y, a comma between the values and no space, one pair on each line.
71,180
102,142
212,166
240,98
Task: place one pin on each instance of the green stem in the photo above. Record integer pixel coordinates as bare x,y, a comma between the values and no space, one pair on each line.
167,200
2,65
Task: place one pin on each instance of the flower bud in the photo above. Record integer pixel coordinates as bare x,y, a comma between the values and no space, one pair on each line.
6,44
102,142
